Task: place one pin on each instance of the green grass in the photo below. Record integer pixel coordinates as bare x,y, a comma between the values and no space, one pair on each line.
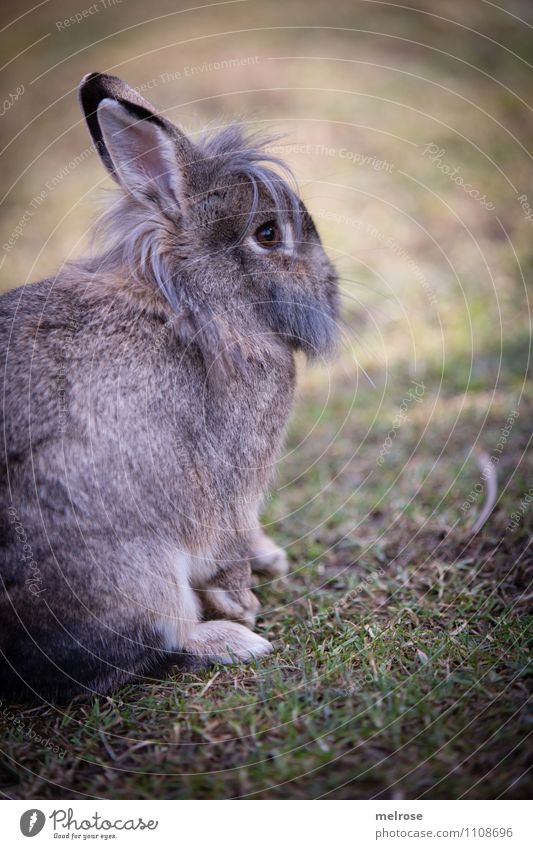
401,664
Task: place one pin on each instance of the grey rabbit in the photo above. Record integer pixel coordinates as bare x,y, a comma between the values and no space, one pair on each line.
146,393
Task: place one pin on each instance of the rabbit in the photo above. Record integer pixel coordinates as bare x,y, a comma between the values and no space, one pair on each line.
146,393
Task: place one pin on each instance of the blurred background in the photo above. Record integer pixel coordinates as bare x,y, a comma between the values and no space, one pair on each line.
408,128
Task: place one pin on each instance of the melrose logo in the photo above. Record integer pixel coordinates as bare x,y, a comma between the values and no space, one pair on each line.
32,822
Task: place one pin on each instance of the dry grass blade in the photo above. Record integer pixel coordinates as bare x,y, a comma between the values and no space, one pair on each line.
488,471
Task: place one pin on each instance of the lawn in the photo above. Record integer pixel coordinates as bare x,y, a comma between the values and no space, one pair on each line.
401,667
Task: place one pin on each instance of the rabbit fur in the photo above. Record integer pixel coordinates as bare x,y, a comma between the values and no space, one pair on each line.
146,393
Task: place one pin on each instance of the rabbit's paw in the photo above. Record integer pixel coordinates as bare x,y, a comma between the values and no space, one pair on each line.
225,642
239,604
267,557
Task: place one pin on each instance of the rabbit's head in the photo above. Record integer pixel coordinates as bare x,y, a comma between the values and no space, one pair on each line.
214,223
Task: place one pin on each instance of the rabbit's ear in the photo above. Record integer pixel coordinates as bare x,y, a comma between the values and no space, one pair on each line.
142,151
144,157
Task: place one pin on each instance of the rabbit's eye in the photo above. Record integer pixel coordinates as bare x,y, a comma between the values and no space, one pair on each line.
268,235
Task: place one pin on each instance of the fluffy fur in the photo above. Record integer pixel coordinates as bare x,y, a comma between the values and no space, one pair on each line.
146,392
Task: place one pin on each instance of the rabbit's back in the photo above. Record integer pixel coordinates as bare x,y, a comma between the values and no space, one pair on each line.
80,403
112,433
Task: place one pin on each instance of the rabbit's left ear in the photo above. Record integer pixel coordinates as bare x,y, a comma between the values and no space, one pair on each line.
143,156
143,152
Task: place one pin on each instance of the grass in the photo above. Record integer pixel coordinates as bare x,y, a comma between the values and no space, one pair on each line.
401,668
401,665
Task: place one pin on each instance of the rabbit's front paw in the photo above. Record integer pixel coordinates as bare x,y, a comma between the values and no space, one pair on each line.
267,557
238,604
225,642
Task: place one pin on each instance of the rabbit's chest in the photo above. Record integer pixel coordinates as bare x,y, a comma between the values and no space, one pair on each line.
248,425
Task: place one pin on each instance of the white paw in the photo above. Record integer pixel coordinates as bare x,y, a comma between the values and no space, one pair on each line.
226,642
268,558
